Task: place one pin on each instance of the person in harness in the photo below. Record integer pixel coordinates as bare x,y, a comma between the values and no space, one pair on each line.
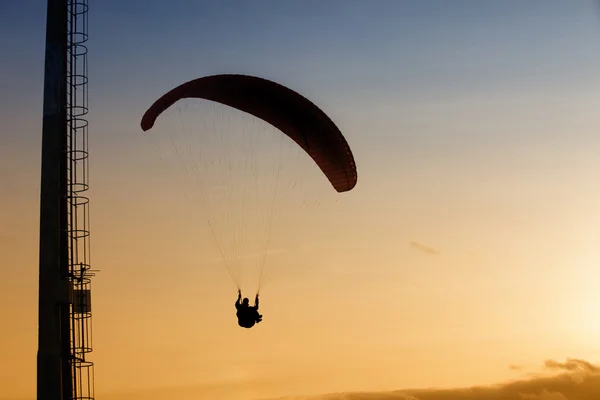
247,315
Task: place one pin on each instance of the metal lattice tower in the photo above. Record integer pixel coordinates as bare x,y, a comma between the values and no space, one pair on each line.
78,203
64,371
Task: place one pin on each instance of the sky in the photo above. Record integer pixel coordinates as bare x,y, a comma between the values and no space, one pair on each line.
464,258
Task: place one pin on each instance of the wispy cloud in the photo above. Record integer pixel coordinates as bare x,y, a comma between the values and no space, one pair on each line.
424,249
572,364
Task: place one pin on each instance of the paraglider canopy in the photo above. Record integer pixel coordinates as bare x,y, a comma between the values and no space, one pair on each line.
228,137
293,114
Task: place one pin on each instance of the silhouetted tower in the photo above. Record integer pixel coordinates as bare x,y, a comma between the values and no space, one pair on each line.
64,337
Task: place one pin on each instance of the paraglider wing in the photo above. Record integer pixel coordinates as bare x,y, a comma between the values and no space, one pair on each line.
290,112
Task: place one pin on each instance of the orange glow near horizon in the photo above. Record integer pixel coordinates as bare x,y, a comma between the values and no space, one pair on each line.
511,284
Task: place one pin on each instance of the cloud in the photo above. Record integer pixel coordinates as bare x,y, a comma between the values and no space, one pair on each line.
572,379
572,364
515,367
545,395
579,369
424,249
575,380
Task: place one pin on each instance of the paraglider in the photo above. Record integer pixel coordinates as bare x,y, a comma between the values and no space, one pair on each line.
291,114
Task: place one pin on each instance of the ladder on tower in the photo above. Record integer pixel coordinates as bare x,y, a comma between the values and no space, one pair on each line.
80,272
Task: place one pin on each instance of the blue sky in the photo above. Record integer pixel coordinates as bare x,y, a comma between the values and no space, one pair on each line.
369,55
383,48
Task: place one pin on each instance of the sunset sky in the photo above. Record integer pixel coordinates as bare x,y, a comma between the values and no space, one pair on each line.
466,255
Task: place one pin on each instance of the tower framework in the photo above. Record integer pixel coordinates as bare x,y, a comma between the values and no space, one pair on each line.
65,336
